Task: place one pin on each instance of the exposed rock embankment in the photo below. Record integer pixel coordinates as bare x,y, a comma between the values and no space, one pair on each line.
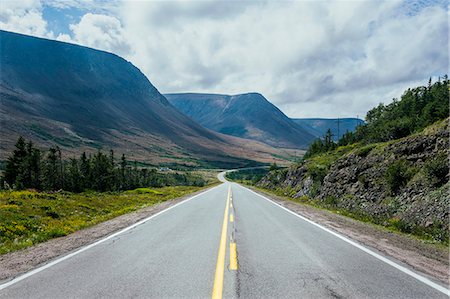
402,183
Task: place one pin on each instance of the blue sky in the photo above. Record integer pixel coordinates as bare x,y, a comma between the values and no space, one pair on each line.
58,20
310,58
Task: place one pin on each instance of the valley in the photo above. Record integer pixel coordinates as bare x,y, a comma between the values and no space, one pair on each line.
83,99
248,116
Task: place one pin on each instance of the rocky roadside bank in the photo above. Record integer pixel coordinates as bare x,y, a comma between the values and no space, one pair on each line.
401,184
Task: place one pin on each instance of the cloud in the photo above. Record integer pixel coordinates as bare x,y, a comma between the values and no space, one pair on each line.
335,58
85,5
101,32
310,58
24,17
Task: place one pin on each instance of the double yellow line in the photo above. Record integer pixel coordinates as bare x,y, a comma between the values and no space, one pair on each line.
220,266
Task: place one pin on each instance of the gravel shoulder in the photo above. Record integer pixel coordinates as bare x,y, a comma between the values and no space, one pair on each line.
430,259
18,262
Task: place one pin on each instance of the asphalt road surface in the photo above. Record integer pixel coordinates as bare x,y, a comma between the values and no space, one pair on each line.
230,242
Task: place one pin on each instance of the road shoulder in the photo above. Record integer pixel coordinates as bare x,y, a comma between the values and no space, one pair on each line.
430,259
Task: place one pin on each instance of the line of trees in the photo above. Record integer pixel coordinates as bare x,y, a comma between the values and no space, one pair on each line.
29,167
418,107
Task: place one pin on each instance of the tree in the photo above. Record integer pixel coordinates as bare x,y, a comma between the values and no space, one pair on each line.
51,170
73,182
85,171
101,172
328,140
418,107
274,166
14,165
28,168
123,166
34,166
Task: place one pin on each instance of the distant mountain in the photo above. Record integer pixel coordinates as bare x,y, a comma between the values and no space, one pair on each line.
245,115
84,99
319,126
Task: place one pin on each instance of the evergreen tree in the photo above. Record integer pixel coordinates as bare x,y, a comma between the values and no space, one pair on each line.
73,182
34,164
52,170
28,168
85,171
15,164
123,166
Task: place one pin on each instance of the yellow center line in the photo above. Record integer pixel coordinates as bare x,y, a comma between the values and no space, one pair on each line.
220,266
233,257
231,218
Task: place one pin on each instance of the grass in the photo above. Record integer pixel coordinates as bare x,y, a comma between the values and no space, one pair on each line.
30,217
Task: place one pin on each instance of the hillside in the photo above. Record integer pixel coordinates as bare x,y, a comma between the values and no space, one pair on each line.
319,126
84,99
245,115
401,184
393,170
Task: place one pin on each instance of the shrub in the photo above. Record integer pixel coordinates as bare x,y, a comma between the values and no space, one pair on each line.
400,225
397,175
437,170
331,201
318,173
364,151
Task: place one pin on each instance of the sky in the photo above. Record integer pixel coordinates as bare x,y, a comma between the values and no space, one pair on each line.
309,58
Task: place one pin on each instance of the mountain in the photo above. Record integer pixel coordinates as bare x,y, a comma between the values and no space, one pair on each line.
84,99
319,126
247,115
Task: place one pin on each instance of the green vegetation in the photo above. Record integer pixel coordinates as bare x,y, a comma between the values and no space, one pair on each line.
29,167
392,171
321,145
418,108
30,217
251,176
432,175
398,174
437,170
94,192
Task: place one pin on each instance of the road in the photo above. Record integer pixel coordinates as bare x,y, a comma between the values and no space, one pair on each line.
230,242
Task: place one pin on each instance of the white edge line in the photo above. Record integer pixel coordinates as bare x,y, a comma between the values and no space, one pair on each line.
37,270
374,254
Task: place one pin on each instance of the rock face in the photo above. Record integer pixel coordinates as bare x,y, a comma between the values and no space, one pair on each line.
401,183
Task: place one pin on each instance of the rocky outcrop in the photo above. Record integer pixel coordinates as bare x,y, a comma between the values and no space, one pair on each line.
402,183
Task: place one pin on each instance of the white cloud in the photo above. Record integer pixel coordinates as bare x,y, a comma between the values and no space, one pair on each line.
23,16
309,58
101,32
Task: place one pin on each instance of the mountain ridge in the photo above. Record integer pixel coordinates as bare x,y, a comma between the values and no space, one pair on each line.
249,115
84,99
319,126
